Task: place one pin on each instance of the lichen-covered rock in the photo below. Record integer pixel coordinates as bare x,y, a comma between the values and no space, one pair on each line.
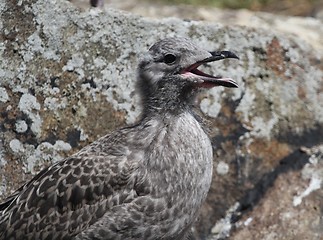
309,29
292,207
67,77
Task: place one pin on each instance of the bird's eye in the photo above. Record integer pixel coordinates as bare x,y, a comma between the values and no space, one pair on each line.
169,59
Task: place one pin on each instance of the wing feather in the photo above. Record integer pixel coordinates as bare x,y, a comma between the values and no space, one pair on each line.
68,196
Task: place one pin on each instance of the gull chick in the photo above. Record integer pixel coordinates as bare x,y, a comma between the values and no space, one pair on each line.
145,181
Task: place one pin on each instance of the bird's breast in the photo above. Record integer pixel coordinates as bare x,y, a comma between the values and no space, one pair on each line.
179,166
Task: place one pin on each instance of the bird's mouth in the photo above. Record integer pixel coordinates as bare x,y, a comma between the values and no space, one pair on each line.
205,80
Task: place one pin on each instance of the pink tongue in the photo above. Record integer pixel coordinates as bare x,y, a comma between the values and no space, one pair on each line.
200,73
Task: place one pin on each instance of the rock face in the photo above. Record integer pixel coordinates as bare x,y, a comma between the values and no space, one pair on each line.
67,77
309,29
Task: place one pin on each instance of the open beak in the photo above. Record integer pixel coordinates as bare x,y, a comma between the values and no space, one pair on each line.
206,80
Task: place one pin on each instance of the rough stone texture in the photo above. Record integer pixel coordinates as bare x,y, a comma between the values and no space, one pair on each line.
67,77
309,29
294,203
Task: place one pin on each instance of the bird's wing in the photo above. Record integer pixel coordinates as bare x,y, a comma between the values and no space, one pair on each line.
71,195
4,205
9,199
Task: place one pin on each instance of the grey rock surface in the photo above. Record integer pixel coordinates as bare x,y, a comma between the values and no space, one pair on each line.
67,77
310,29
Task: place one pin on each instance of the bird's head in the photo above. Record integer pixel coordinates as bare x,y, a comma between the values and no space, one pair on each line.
172,64
178,57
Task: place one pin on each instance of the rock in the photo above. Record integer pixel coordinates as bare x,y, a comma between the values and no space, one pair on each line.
67,77
292,208
309,29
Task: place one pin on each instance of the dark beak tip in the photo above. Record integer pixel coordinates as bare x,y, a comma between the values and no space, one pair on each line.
229,54
219,55
232,85
236,57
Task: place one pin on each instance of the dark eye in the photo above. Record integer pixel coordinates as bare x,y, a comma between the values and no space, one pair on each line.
169,59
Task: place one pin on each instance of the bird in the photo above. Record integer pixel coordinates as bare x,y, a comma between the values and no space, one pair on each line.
147,180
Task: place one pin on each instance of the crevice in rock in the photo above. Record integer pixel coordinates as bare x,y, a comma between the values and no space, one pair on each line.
293,162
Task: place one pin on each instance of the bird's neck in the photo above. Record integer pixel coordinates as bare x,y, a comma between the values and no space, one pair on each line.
171,96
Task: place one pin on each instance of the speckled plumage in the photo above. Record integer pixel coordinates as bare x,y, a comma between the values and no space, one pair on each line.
146,181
